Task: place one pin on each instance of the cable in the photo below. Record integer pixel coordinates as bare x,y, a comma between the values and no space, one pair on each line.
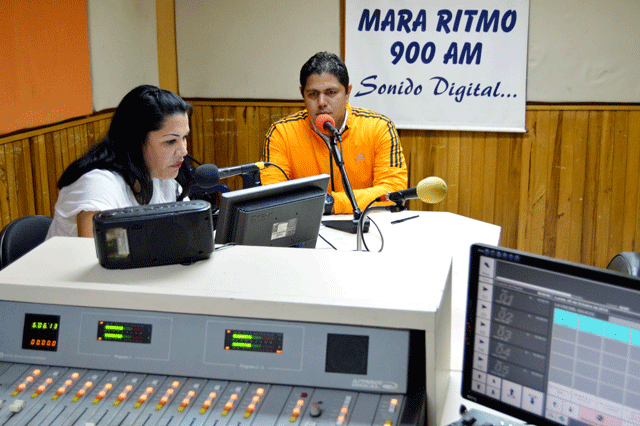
193,159
359,230
266,163
327,241
381,237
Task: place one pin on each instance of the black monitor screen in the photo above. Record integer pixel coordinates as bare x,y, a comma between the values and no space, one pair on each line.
550,341
285,214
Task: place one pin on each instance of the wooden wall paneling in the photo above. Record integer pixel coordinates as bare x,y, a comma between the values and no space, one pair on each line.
603,195
224,141
255,135
104,126
196,134
526,158
81,133
64,147
550,232
10,156
507,186
536,190
418,148
71,144
631,242
452,175
466,175
565,178
490,177
477,166
264,122
54,171
24,178
567,188
437,165
57,143
242,134
618,190
630,207
40,175
408,144
576,229
208,145
591,190
5,213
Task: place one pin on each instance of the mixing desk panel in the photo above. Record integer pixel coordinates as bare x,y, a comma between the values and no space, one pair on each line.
80,366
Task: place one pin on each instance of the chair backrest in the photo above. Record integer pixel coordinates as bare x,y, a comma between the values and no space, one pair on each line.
21,235
627,262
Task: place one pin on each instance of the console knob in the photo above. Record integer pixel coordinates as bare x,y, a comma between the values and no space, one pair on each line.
315,410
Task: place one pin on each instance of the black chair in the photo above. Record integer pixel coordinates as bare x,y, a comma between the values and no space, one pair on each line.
21,235
627,262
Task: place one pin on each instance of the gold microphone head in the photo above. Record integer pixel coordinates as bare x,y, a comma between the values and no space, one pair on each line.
431,190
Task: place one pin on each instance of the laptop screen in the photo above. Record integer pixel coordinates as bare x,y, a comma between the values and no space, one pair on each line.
552,342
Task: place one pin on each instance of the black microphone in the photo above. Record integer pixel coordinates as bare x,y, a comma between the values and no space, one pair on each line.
326,125
209,175
430,190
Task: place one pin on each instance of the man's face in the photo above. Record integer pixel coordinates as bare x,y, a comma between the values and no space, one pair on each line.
324,94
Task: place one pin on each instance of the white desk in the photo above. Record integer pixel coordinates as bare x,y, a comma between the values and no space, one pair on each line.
303,285
407,286
431,232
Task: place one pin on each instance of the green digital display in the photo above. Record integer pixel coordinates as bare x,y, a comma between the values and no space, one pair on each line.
124,332
253,341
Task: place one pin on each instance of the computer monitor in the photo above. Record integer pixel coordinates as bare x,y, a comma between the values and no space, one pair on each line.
285,214
552,342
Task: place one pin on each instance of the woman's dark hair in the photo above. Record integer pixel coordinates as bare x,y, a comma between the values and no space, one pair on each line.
325,62
141,111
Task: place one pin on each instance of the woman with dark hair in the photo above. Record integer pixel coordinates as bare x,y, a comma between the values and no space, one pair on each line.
141,160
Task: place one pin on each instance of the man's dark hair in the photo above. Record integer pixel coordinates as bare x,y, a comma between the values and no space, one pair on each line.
325,62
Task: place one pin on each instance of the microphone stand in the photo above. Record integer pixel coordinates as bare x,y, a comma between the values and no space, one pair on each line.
345,225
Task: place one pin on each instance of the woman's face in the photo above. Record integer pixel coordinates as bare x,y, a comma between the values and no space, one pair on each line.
165,148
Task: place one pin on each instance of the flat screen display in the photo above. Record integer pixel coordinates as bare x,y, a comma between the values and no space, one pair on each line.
253,341
285,214
552,342
113,331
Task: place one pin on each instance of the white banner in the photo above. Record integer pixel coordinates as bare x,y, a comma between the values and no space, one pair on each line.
438,64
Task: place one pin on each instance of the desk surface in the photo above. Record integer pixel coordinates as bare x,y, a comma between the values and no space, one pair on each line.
430,232
65,270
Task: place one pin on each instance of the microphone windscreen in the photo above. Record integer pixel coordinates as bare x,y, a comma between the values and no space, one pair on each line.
321,119
432,189
207,175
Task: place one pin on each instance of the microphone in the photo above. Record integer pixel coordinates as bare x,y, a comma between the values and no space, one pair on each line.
326,124
430,190
209,175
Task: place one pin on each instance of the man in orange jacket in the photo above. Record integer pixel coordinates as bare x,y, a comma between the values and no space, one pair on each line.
371,149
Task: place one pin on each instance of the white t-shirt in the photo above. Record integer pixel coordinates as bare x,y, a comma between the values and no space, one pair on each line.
99,190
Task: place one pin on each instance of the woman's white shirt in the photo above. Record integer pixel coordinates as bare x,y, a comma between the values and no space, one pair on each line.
99,190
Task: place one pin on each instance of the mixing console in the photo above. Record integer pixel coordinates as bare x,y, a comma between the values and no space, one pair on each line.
80,366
